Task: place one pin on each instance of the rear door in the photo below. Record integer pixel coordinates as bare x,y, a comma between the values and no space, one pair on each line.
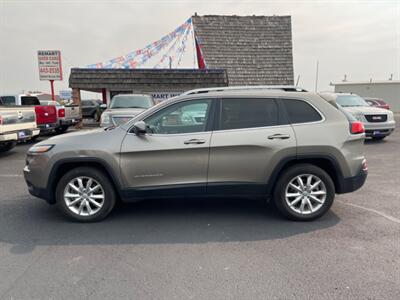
174,154
251,137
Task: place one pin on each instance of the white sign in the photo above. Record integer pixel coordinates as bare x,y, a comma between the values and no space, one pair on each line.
164,95
67,94
50,65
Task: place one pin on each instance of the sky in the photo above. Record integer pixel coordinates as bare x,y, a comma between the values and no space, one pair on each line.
359,39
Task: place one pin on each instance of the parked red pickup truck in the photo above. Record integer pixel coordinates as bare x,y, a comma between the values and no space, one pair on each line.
46,116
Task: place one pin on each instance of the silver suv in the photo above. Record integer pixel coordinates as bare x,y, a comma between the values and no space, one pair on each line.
378,122
291,148
124,107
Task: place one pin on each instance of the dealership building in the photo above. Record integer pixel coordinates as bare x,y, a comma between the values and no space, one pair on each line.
230,51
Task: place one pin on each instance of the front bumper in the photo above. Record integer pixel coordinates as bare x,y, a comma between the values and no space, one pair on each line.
379,129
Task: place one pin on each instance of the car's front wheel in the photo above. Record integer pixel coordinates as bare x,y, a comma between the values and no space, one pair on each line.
85,194
304,192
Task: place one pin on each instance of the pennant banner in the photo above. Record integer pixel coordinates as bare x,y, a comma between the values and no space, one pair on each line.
176,40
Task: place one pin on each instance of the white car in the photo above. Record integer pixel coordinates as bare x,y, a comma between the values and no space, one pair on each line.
378,122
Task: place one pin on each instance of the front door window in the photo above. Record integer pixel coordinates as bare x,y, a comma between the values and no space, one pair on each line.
185,117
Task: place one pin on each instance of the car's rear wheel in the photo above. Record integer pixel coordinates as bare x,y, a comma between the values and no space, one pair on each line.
85,194
62,129
304,192
4,147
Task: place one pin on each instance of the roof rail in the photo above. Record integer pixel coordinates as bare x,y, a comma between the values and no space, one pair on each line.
285,88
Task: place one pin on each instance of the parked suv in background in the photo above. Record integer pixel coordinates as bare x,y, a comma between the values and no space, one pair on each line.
124,107
293,148
378,122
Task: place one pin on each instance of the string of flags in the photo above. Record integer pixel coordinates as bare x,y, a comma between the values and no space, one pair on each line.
174,43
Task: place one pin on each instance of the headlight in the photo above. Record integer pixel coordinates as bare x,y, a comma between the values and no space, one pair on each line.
105,119
40,148
359,118
390,116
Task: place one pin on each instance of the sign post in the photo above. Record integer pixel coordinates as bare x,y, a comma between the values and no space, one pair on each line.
50,67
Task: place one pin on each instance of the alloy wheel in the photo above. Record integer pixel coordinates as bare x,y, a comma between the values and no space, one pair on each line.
84,196
305,194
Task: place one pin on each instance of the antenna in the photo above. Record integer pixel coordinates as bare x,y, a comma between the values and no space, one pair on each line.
316,77
298,79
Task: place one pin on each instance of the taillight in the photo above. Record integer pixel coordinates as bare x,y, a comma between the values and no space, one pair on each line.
357,127
61,113
1,120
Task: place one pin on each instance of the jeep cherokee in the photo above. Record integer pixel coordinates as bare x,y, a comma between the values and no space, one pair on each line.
292,148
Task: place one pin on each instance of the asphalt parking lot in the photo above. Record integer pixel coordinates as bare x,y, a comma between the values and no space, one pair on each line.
205,249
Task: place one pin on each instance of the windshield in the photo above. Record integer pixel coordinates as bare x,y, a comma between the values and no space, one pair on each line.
351,100
125,101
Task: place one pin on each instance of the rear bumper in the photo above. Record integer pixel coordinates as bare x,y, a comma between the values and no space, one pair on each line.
351,184
8,137
47,127
20,135
69,122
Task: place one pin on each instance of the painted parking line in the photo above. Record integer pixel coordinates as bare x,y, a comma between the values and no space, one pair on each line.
388,217
11,175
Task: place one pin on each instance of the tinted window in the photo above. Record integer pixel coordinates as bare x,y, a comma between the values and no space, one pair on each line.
27,100
300,111
8,100
186,117
248,113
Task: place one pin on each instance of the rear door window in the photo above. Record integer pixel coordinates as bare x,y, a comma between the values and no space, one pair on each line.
248,113
299,111
7,100
28,100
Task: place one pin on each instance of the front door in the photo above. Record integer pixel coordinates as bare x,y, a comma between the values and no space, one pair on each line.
173,156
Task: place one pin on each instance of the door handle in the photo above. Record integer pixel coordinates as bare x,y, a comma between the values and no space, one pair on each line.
279,136
194,141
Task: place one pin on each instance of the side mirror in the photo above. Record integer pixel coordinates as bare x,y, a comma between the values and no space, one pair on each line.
140,128
103,106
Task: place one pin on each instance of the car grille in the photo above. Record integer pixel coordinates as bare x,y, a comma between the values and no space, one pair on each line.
376,118
121,120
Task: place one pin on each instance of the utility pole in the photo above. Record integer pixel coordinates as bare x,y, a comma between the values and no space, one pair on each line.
316,77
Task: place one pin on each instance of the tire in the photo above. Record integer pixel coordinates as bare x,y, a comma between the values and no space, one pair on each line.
62,129
74,211
283,194
4,147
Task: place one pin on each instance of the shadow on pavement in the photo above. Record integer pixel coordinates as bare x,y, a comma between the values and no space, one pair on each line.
32,224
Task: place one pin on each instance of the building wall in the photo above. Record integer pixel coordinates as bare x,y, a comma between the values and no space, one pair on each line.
389,92
255,50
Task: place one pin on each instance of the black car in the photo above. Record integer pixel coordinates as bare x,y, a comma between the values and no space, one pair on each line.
91,109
